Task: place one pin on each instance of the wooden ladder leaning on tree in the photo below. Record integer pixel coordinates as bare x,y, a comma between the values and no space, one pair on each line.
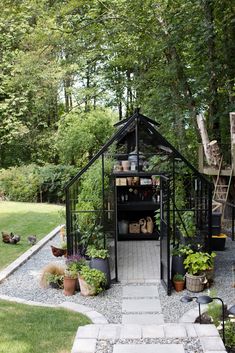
214,159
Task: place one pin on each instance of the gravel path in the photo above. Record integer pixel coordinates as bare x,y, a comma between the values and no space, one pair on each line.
24,283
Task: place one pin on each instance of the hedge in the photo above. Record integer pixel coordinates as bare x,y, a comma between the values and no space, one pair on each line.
34,183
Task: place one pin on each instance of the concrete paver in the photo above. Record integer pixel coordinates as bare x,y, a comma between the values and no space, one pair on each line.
206,330
130,332
143,319
140,291
109,332
153,331
84,346
141,305
212,343
148,348
175,331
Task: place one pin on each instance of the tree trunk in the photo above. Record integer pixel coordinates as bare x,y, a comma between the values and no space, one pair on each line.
204,136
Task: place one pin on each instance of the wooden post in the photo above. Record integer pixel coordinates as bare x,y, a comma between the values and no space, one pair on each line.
232,135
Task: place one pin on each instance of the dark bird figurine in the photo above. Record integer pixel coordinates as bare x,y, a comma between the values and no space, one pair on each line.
10,238
32,239
6,237
14,239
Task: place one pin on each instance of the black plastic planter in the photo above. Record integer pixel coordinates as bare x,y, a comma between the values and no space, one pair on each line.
177,265
102,265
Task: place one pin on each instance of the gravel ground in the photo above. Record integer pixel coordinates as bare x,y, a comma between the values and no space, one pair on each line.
191,345
24,283
222,287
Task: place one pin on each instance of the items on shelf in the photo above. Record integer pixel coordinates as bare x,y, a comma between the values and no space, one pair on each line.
133,194
134,227
123,226
144,226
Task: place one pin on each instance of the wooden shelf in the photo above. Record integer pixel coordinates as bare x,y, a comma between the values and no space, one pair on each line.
138,206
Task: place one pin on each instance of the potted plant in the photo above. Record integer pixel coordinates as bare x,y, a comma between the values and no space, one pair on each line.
52,276
70,280
99,260
74,263
54,280
179,254
196,264
61,251
91,281
178,281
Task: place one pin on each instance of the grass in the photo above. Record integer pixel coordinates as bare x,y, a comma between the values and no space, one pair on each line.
26,219
30,329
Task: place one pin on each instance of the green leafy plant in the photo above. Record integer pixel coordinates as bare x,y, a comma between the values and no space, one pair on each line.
229,328
94,253
55,279
52,273
187,227
197,262
157,217
71,272
178,278
75,262
94,278
93,235
181,250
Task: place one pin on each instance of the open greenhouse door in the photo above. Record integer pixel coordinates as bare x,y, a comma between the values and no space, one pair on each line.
165,235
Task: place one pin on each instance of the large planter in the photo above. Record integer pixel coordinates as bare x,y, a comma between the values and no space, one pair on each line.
85,288
195,283
103,266
70,285
218,243
177,265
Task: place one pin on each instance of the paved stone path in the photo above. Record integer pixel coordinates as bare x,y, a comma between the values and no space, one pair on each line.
138,261
141,305
143,329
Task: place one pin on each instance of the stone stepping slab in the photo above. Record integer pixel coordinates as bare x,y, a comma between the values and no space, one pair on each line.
143,319
148,348
140,291
141,306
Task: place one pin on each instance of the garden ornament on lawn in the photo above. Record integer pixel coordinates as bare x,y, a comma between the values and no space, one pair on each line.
32,239
10,238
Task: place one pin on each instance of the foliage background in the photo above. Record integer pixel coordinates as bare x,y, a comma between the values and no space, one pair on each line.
68,70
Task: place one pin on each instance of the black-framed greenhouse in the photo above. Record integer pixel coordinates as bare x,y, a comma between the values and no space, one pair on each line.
138,187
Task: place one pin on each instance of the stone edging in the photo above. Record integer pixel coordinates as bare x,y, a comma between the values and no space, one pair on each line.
87,336
93,315
7,271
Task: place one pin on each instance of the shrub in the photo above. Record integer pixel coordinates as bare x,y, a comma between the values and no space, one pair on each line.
32,183
20,183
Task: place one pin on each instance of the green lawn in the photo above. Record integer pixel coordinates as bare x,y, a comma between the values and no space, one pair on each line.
26,219
30,329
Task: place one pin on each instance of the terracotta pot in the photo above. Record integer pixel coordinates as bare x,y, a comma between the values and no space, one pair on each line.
85,288
70,285
179,286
